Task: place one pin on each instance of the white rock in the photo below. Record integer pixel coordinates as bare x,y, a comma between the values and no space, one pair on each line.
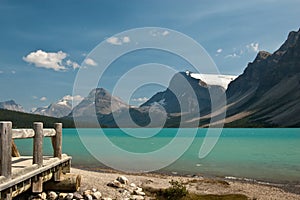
86,192
88,197
62,195
133,185
106,198
136,197
44,195
123,180
52,195
115,184
97,195
137,192
94,190
139,189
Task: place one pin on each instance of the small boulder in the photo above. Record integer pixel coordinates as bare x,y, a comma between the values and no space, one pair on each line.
88,197
123,180
52,195
132,185
137,197
106,198
62,196
77,196
97,195
69,196
139,189
86,192
140,193
115,184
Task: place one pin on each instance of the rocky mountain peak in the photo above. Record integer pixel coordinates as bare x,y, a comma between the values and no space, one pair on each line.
269,86
292,40
262,55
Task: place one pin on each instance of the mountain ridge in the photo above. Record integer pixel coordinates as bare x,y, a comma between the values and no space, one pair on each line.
269,86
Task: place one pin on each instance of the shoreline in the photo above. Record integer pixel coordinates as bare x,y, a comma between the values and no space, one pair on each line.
184,174
235,182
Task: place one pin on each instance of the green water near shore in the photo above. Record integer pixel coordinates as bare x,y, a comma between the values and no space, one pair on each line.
271,155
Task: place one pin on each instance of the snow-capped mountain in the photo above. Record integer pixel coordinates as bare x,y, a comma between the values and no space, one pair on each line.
60,108
11,105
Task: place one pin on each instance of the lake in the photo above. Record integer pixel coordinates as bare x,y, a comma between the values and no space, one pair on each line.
266,154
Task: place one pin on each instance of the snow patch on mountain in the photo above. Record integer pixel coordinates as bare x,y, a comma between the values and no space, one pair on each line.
213,79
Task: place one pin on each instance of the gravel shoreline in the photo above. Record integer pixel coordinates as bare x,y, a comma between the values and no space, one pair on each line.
199,185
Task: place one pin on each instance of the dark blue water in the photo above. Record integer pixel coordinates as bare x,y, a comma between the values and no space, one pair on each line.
261,154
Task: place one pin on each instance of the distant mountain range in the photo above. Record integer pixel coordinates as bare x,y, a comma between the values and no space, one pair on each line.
58,109
11,105
266,95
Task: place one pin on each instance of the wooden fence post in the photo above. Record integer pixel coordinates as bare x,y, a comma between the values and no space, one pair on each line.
37,183
57,140
38,143
5,148
57,148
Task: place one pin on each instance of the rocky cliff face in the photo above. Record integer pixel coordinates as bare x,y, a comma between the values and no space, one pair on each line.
11,105
186,95
270,86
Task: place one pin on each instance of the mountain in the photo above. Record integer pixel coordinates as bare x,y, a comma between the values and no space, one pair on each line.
185,97
268,91
11,105
266,95
58,109
100,101
186,94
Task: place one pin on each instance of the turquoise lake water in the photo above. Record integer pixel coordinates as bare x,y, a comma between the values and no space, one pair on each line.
261,154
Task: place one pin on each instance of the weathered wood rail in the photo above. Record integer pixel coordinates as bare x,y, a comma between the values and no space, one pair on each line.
18,174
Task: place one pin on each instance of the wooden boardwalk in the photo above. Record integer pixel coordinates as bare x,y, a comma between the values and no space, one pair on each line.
21,173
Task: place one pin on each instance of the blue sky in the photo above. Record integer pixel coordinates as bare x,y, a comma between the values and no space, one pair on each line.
231,32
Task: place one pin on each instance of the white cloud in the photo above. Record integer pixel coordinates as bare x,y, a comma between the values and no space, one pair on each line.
155,33
43,98
75,65
253,47
13,71
126,39
118,41
165,33
46,60
90,62
140,99
114,41
76,99
219,50
234,55
34,97
73,98
50,60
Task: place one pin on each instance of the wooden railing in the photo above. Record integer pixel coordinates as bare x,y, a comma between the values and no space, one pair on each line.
7,134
